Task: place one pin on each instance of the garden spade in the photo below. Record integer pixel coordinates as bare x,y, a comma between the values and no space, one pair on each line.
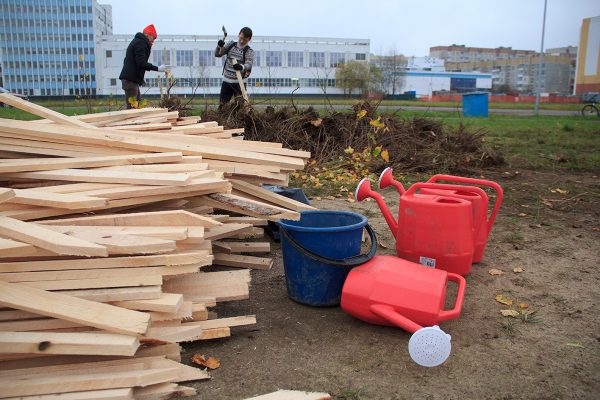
224,32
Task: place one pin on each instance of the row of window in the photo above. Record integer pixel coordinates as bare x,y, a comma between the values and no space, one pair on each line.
185,58
36,52
48,38
39,21
252,82
19,7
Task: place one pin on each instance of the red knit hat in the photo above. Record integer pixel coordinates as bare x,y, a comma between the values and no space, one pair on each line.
150,30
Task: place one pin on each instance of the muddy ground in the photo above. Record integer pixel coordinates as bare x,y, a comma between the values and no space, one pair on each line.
556,355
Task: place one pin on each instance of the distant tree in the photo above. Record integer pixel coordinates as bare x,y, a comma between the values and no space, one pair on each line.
359,76
391,66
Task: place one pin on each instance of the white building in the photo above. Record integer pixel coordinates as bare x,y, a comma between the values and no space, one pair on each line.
282,64
424,83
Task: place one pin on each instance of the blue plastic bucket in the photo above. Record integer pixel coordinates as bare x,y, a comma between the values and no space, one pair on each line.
319,251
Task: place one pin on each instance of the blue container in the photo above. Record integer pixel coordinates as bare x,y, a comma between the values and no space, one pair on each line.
330,234
475,104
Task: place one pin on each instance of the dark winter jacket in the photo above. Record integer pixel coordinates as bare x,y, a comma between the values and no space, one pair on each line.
136,62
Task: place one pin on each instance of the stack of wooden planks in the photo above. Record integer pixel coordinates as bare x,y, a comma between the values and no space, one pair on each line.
104,231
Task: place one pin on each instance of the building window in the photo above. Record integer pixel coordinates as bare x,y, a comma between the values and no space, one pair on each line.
336,59
273,59
207,58
161,57
108,53
295,59
361,56
185,58
113,82
316,59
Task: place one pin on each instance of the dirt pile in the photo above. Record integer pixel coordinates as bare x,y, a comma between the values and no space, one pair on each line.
411,144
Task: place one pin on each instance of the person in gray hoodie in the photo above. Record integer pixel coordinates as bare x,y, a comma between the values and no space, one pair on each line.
243,55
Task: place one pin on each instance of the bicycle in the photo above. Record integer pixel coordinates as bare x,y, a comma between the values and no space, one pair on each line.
591,108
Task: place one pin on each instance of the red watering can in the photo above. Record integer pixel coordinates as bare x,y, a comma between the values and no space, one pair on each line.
386,179
394,292
435,231
477,201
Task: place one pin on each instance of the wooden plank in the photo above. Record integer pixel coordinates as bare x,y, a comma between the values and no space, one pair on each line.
95,283
103,176
14,248
163,391
159,126
225,231
115,294
108,344
181,258
222,285
38,197
47,239
239,261
243,247
160,232
26,144
157,218
107,394
292,395
6,194
249,207
172,334
98,315
44,164
35,385
184,313
269,196
145,142
168,302
97,273
118,243
223,322
215,333
247,220
40,111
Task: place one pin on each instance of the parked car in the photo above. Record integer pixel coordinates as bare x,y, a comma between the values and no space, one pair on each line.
21,96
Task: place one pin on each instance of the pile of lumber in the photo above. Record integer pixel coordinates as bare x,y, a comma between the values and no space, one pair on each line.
103,236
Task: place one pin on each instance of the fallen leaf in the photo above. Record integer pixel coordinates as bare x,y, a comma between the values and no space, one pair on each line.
210,362
385,155
522,215
350,200
318,198
495,271
561,191
509,313
518,270
503,300
382,244
317,122
523,306
578,345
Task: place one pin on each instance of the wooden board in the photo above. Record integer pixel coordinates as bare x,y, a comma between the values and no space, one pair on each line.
6,194
168,302
108,344
48,239
269,196
103,316
14,248
239,261
292,395
70,201
44,164
107,176
40,111
241,247
158,218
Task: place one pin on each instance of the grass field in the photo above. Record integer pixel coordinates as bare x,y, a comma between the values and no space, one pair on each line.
527,142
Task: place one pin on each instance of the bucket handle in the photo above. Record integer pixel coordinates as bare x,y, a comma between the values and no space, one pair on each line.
445,315
344,262
480,182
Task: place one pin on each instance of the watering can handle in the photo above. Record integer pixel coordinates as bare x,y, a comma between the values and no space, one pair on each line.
344,262
482,214
455,312
480,182
389,314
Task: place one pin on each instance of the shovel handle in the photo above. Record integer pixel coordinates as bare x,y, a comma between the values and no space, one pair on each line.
460,295
481,182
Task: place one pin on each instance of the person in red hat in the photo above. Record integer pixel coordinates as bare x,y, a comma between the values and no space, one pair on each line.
136,63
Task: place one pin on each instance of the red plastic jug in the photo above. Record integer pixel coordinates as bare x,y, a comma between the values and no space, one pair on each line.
438,231
477,201
394,292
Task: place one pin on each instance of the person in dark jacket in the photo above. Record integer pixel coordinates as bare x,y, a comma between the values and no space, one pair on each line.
136,63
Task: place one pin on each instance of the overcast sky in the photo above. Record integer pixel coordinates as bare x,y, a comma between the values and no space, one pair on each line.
406,27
